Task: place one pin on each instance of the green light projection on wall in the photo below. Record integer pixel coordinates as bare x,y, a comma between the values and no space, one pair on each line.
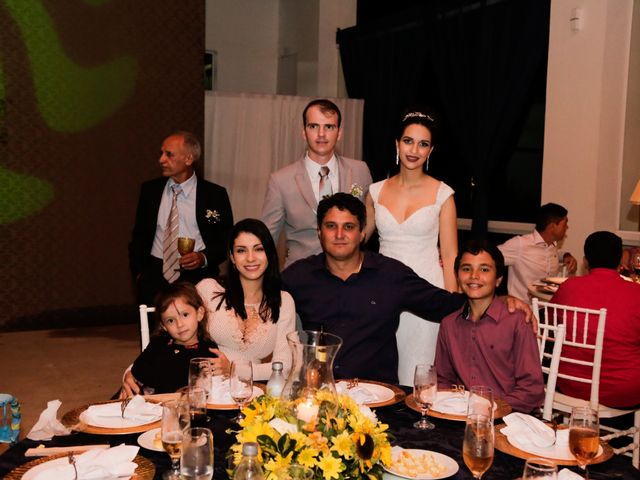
70,98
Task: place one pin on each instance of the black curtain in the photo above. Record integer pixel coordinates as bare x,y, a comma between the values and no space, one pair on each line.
473,61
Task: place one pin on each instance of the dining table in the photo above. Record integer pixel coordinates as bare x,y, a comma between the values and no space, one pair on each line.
445,438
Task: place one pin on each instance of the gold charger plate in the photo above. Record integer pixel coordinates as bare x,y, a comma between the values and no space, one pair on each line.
233,406
144,471
502,444
71,420
398,393
502,409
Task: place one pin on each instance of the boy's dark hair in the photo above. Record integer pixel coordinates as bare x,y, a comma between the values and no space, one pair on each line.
603,250
474,247
342,201
188,293
549,213
326,106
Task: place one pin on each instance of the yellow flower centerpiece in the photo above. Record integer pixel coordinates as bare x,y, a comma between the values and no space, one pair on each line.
350,443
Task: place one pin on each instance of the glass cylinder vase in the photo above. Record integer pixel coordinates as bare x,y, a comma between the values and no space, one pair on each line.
310,391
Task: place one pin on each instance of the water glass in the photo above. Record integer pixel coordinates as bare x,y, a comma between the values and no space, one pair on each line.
539,468
175,420
480,401
196,399
196,462
200,373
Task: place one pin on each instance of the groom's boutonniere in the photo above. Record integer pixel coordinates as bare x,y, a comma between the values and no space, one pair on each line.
212,216
356,190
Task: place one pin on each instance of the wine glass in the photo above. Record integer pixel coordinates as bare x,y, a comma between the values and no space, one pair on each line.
539,468
584,435
196,399
425,387
185,245
175,419
477,447
200,373
480,401
196,462
241,384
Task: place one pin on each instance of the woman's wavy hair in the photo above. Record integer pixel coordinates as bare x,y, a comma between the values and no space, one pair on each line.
233,296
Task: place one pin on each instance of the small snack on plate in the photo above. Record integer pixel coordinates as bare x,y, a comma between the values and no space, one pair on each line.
414,464
157,440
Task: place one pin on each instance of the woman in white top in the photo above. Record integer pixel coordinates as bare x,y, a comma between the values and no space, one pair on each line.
413,213
249,316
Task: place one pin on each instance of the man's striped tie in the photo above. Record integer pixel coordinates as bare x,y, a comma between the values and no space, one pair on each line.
170,255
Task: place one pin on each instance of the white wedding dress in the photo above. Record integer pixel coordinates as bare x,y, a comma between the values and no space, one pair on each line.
414,242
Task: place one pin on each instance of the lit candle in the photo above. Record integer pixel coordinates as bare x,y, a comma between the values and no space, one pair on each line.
307,411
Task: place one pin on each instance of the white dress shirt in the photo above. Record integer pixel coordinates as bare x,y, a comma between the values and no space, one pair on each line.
313,170
186,201
530,258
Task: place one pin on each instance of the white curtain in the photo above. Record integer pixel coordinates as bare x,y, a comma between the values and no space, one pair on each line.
247,136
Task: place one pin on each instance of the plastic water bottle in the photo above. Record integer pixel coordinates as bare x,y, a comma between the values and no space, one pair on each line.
249,468
276,381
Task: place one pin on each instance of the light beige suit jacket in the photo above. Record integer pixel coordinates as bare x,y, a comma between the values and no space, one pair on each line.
291,204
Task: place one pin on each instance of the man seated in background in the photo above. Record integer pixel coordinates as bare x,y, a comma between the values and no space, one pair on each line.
483,343
602,287
535,255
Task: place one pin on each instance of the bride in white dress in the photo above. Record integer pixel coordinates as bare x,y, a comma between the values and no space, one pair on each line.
413,212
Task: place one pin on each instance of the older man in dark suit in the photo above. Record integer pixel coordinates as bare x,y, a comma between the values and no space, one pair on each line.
178,205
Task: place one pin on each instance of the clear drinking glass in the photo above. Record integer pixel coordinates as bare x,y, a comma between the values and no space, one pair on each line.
175,420
196,462
425,387
539,468
200,373
477,447
584,436
241,384
196,399
480,401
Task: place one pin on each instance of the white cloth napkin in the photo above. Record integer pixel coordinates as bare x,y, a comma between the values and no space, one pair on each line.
48,425
116,462
109,415
220,391
360,394
451,402
528,430
566,474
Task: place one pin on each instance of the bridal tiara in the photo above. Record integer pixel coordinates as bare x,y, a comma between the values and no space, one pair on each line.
417,114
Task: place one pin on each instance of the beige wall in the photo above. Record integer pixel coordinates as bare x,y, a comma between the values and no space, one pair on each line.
278,46
584,129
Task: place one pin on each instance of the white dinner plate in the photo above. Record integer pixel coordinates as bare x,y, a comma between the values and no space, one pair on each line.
115,422
451,466
382,393
146,440
556,280
558,452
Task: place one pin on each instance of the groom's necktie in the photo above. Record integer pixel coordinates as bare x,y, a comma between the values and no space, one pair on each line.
325,183
170,245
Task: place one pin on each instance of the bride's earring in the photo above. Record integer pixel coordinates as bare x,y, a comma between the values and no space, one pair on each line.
397,158
427,169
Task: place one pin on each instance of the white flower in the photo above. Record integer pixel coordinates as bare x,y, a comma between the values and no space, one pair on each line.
283,427
356,190
367,412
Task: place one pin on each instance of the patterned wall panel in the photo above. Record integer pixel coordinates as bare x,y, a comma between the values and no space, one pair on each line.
88,90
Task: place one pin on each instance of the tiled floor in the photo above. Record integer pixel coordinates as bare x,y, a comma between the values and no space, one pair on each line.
75,365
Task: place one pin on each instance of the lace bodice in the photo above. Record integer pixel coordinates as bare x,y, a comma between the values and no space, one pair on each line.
414,242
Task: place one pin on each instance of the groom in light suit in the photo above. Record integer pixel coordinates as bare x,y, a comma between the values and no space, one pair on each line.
295,190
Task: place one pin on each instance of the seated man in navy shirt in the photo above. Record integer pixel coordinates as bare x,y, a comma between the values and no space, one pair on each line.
358,295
